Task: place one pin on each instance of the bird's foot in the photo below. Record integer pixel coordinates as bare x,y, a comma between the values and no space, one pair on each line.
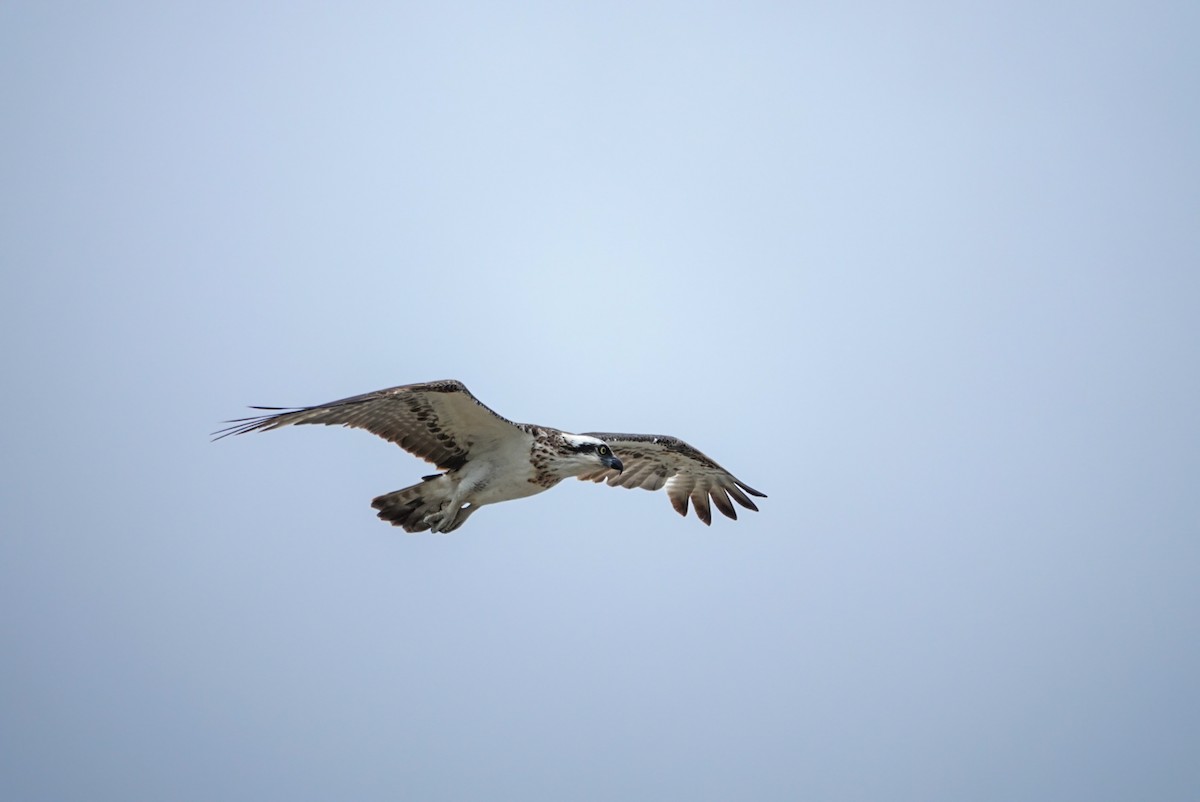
440,522
448,518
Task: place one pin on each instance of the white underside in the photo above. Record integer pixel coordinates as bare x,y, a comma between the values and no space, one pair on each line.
503,473
481,483
478,484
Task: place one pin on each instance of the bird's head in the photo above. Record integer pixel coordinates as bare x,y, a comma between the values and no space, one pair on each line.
589,452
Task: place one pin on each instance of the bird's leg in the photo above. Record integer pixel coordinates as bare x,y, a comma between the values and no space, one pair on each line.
464,512
451,516
440,520
460,503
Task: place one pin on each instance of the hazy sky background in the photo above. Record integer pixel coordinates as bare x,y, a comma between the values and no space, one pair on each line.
926,274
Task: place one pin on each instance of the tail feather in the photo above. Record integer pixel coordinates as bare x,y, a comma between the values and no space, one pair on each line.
410,506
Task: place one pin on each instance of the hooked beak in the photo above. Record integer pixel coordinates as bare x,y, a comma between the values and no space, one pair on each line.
614,463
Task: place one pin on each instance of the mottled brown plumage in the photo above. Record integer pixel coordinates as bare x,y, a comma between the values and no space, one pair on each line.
653,461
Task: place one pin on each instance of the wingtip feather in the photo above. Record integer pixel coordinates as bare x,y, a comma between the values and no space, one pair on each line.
721,499
750,489
700,504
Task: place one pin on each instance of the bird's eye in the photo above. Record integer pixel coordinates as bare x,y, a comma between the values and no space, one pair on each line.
602,451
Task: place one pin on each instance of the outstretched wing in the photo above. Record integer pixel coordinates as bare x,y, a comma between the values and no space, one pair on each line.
653,461
437,421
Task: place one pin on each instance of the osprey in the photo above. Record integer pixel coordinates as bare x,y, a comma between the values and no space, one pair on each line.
486,458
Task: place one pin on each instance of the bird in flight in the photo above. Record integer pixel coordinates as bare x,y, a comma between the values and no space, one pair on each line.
486,458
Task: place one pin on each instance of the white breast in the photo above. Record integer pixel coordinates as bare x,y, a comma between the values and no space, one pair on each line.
500,475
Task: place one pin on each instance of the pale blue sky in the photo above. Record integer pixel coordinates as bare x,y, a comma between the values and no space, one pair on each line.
926,274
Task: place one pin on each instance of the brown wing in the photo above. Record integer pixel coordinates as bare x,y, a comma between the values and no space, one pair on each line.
653,461
437,421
